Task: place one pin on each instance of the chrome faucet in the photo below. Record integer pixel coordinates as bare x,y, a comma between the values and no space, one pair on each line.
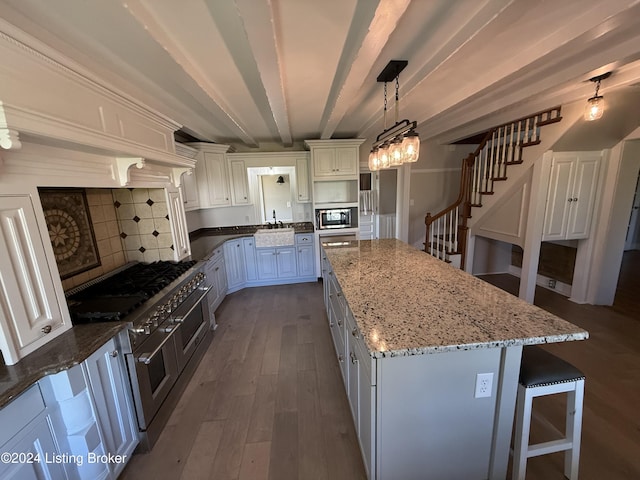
275,223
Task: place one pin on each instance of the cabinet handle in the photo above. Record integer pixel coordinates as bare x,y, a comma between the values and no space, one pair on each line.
245,198
340,358
217,268
339,294
354,360
575,199
331,324
354,332
238,245
46,329
339,323
114,353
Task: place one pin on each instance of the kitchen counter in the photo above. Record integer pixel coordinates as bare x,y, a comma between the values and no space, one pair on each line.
406,302
205,241
69,349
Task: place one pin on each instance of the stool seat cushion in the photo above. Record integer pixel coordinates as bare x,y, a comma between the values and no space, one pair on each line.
540,367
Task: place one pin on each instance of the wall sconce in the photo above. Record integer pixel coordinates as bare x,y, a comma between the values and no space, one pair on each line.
595,105
280,180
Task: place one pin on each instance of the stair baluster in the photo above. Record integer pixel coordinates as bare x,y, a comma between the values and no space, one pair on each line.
446,231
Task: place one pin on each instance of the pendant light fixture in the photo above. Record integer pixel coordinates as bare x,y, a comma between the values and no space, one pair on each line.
399,143
280,180
595,105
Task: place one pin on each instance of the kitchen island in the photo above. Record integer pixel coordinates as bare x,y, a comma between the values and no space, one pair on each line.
412,335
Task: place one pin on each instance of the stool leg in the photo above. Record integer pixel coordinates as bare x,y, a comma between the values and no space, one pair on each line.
521,438
573,430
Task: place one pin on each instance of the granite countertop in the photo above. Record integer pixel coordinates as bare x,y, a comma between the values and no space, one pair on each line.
406,302
205,241
63,352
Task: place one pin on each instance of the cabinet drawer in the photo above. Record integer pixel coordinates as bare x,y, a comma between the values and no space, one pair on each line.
304,238
17,414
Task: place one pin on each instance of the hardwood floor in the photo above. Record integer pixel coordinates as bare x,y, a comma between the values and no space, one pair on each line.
610,360
267,400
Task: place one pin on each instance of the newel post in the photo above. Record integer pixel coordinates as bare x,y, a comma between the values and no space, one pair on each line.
427,222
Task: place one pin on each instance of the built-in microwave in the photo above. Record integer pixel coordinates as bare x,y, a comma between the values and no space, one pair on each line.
333,218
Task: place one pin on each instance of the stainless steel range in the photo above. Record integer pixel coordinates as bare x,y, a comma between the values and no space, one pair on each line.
171,326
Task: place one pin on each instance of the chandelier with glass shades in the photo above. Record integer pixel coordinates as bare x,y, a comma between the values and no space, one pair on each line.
399,143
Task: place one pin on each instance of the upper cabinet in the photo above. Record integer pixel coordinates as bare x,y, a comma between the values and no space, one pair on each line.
239,183
334,158
211,176
32,313
571,197
302,180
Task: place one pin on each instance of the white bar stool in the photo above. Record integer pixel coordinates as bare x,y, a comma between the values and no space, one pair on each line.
542,373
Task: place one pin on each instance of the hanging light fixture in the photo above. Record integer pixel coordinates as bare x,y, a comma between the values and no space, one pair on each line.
399,143
280,180
595,105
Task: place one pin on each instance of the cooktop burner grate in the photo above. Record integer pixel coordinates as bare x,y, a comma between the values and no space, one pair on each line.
120,294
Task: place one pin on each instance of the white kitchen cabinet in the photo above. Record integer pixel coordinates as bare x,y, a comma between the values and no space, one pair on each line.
32,313
239,183
250,263
334,158
306,261
179,230
571,196
216,273
111,395
190,191
212,175
234,261
302,180
276,263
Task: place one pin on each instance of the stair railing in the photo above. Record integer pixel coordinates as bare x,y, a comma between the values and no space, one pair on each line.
446,231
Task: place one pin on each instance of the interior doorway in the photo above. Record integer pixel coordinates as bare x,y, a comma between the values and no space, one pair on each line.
632,241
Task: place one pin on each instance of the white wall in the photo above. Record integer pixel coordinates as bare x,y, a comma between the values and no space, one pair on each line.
491,256
435,184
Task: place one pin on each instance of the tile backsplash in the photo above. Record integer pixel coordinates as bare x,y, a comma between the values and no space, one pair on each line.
107,235
143,221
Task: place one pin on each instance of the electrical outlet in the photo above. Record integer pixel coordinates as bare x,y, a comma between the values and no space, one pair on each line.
552,283
484,385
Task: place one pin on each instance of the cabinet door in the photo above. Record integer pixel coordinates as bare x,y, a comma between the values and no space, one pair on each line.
217,179
287,265
324,160
559,198
239,183
250,259
31,315
234,261
190,191
35,440
210,270
366,414
302,180
306,263
583,196
346,162
181,244
222,283
111,395
353,387
267,265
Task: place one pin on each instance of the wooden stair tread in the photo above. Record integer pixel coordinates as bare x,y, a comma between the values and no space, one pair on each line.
529,144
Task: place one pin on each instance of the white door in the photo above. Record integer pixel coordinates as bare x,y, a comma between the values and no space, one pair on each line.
633,230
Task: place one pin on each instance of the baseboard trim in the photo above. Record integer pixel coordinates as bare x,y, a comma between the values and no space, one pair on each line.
543,281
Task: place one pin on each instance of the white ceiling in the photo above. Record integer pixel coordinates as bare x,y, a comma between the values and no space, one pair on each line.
270,73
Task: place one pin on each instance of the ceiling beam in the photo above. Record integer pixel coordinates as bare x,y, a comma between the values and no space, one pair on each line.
260,25
162,36
356,62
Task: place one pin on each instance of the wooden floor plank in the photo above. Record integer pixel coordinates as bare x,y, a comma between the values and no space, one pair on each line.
255,461
261,424
283,462
203,453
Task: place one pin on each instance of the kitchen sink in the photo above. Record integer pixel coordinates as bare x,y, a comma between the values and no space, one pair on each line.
275,237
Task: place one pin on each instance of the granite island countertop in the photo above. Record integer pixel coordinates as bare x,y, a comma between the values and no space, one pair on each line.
405,302
63,352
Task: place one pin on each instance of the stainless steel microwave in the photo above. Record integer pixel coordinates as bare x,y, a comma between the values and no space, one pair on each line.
333,218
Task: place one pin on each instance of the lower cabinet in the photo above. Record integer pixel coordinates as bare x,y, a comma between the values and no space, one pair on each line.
216,272
250,263
27,440
306,261
234,261
92,414
276,263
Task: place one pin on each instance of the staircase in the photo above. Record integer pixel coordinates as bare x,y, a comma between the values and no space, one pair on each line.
501,148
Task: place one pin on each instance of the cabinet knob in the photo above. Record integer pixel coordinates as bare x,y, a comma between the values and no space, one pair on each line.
354,332
339,323
46,329
340,358
114,353
354,360
245,198
238,245
570,200
575,199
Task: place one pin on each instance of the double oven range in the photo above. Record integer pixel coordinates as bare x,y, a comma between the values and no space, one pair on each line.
171,327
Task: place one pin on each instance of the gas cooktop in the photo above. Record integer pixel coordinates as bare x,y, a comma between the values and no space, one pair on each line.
118,295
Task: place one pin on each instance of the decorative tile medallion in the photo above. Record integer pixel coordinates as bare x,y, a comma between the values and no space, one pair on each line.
70,230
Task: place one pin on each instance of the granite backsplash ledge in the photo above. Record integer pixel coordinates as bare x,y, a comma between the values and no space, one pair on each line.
299,227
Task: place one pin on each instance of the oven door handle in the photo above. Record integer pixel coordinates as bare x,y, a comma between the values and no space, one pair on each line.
180,319
146,358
